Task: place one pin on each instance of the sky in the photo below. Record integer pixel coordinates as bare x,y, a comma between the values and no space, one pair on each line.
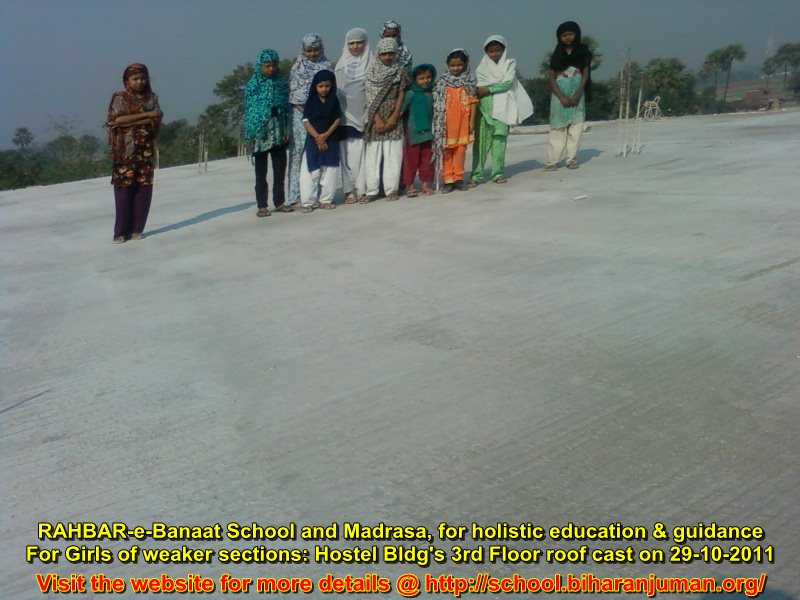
60,60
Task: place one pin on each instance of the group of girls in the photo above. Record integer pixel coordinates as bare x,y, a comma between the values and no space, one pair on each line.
373,124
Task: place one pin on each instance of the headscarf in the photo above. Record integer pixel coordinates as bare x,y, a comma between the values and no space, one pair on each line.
321,115
137,69
513,106
381,77
303,69
404,56
351,74
466,80
264,97
579,57
420,114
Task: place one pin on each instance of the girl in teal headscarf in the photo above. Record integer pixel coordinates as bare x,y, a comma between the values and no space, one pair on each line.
266,127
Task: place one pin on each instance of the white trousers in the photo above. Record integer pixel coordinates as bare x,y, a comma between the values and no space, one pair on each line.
567,138
319,185
354,173
391,151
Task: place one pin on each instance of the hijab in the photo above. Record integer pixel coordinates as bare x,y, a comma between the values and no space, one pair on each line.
303,69
137,69
579,57
381,77
404,56
466,80
264,97
351,72
321,115
512,106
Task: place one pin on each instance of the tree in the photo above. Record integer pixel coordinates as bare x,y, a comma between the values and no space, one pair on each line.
597,56
788,55
769,68
231,91
668,78
22,138
712,65
730,54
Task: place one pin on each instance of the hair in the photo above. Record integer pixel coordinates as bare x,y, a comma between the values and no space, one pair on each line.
457,54
423,69
494,43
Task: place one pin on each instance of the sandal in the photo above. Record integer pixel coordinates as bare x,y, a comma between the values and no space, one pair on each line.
392,197
351,198
262,212
284,209
137,236
551,167
472,184
120,239
501,179
426,191
328,206
573,164
364,199
411,192
306,209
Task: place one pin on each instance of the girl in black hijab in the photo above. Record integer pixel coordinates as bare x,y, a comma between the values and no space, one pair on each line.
570,82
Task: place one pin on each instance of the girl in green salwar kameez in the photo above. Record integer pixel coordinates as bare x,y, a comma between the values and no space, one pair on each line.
569,79
503,102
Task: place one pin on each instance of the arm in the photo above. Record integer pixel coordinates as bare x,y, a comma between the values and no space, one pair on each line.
398,105
584,80
473,114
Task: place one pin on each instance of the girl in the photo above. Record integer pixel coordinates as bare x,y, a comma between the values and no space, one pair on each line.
417,154
266,116
392,29
320,165
351,72
311,60
386,80
503,102
454,99
134,118
569,77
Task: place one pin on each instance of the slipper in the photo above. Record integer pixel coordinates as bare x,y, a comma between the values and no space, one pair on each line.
351,198
306,209
137,236
411,192
573,164
501,179
472,184
551,167
120,239
426,191
283,208
392,197
328,206
262,212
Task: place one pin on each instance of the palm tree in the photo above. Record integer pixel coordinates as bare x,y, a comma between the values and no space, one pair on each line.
730,54
22,137
788,55
713,64
769,68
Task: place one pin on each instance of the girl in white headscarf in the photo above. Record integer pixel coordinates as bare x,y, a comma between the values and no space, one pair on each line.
351,72
503,102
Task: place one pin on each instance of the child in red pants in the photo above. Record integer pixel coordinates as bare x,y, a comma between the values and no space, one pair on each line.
418,152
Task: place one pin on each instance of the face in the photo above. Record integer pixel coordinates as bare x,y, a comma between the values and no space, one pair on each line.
392,32
323,88
312,53
387,58
269,68
137,82
356,48
494,51
567,38
423,78
456,65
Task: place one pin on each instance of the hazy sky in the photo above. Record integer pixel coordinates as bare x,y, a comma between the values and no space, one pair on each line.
60,60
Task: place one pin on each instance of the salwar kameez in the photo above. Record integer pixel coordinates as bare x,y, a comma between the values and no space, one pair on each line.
491,136
566,122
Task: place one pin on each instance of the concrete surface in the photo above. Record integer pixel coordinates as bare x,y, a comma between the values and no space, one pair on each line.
509,353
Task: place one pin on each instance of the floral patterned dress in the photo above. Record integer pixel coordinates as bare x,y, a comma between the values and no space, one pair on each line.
132,148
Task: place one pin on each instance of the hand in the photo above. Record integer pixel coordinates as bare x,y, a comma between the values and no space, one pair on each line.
322,145
564,100
482,91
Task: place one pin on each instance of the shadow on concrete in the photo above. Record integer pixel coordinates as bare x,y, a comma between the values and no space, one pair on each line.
522,167
585,156
212,214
